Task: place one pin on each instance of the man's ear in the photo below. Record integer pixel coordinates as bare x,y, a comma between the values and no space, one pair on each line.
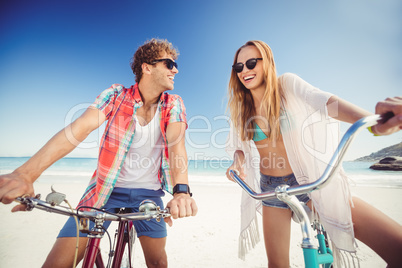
146,68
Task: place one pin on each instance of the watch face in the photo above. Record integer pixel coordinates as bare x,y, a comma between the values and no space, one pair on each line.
181,188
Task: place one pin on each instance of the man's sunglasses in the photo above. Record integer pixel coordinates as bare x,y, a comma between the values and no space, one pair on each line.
251,63
169,63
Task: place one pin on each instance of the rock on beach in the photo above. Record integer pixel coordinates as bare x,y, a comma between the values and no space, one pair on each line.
388,163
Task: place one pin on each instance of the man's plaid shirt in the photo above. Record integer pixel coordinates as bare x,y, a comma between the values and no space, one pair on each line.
120,104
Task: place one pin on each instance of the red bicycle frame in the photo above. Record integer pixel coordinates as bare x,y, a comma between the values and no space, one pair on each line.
93,255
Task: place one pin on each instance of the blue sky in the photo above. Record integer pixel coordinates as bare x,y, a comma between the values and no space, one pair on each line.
57,56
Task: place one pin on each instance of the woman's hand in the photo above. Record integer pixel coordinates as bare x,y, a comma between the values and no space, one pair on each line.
238,165
239,170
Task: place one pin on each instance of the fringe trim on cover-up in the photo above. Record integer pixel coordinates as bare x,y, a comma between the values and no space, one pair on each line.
344,259
248,239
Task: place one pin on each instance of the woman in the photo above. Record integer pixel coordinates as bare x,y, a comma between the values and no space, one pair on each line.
288,128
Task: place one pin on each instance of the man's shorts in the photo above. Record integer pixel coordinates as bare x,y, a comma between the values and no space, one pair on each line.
129,199
269,183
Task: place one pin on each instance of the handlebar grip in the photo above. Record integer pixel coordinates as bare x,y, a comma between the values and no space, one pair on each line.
385,117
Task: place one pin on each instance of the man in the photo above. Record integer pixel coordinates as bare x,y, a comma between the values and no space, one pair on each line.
143,122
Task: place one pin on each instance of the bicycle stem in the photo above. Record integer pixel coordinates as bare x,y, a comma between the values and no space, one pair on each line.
300,212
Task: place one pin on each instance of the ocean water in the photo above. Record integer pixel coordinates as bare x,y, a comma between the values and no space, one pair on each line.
77,170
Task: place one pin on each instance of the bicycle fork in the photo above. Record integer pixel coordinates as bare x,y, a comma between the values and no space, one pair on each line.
313,255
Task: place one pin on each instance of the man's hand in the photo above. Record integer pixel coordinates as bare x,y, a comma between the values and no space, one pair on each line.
13,186
393,124
182,205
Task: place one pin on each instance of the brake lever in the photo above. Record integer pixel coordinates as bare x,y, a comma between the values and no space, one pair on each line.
28,201
165,213
162,213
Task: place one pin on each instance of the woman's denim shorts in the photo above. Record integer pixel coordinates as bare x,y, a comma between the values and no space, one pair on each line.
129,199
269,183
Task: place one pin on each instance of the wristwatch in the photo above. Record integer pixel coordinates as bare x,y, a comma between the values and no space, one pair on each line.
182,188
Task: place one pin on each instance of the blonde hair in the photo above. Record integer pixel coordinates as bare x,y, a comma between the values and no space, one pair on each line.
241,103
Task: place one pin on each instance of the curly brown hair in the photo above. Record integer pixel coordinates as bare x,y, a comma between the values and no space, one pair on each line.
150,51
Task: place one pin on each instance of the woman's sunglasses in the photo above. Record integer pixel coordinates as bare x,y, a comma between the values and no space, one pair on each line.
169,63
251,63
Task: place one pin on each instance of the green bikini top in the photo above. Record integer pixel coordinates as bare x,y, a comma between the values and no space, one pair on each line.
259,135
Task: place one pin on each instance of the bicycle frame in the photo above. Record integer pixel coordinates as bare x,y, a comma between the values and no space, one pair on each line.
93,255
314,254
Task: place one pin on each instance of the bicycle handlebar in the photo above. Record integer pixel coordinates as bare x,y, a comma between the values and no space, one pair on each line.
149,211
331,169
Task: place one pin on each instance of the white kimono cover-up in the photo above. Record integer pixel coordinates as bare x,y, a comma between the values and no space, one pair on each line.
310,137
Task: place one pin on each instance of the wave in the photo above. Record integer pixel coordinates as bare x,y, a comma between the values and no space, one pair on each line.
202,171
378,180
69,173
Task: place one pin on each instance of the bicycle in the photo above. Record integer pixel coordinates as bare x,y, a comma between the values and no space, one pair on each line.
314,255
125,233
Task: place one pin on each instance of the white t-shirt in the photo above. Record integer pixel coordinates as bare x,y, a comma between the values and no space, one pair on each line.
143,160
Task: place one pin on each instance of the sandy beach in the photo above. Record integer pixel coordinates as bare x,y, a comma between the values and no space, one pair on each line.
208,240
